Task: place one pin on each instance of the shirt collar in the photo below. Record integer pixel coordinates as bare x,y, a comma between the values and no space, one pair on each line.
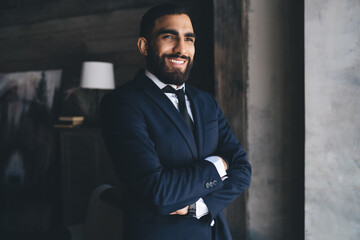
159,83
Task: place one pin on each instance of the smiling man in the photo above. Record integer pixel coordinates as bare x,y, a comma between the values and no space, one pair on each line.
170,143
170,48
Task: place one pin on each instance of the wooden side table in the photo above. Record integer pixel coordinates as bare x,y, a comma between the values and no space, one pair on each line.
85,164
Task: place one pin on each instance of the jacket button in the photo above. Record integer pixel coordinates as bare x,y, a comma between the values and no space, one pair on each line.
214,182
211,184
207,185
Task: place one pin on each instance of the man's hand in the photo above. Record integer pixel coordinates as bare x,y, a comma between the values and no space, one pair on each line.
182,211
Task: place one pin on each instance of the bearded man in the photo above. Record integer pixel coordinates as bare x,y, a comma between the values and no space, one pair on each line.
170,143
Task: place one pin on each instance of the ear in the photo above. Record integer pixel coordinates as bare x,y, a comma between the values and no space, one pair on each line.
142,46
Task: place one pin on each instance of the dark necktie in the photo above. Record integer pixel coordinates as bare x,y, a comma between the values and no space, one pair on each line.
180,94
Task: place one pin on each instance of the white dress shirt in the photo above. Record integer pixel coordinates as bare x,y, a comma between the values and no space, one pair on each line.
171,96
201,208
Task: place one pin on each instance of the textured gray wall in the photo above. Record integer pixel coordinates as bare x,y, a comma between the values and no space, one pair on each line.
332,93
275,102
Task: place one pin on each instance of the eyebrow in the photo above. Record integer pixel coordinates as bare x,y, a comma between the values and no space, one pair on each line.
174,32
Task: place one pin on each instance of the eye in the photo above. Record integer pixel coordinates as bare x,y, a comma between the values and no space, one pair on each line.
168,36
189,39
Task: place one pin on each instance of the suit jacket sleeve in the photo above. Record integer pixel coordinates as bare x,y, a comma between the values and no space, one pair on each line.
239,171
136,162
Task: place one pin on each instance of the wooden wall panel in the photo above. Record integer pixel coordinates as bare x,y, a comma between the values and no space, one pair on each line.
230,85
93,34
65,43
30,11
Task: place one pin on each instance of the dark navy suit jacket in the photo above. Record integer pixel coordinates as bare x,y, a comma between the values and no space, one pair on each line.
161,162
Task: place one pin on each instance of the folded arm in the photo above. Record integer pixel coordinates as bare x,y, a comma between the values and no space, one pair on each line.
238,172
137,163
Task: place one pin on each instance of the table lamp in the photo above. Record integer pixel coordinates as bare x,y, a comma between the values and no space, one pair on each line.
97,76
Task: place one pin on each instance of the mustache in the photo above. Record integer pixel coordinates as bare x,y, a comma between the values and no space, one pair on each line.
176,56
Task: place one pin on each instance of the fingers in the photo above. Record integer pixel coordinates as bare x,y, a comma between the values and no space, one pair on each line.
225,164
182,211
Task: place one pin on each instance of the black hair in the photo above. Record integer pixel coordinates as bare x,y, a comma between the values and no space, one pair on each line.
148,20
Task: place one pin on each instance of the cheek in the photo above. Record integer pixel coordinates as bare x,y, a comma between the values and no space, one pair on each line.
157,48
163,47
191,51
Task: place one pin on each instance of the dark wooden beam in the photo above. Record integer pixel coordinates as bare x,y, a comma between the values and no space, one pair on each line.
230,85
31,11
86,35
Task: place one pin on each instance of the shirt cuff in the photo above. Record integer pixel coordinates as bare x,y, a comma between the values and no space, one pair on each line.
201,209
218,163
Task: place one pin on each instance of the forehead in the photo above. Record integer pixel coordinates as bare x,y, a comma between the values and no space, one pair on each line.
178,22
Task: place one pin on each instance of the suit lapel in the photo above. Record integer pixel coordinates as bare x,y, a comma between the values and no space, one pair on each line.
199,120
159,98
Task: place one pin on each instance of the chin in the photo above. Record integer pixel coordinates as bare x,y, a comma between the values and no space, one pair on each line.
174,77
166,74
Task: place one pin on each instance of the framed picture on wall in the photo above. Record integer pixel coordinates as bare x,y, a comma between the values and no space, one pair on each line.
27,150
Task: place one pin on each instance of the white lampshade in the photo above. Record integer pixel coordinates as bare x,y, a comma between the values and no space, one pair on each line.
98,75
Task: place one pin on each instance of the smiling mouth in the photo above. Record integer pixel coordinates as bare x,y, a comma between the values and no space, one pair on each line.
176,61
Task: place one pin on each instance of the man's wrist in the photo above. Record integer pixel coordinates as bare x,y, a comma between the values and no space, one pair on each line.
192,209
219,165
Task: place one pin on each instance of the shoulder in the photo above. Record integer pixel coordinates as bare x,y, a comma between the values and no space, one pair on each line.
128,91
118,95
201,95
197,91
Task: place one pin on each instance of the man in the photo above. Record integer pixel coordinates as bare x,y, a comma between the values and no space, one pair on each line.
170,143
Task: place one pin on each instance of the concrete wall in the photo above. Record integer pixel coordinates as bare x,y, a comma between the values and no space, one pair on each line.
332,93
275,119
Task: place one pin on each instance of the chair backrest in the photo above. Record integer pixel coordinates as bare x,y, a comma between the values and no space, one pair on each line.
104,219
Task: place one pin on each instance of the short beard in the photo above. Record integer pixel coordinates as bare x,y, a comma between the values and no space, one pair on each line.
156,65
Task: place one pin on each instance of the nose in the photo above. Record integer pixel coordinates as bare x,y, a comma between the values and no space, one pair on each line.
180,47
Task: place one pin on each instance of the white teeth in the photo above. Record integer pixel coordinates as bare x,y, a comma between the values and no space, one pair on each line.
177,62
